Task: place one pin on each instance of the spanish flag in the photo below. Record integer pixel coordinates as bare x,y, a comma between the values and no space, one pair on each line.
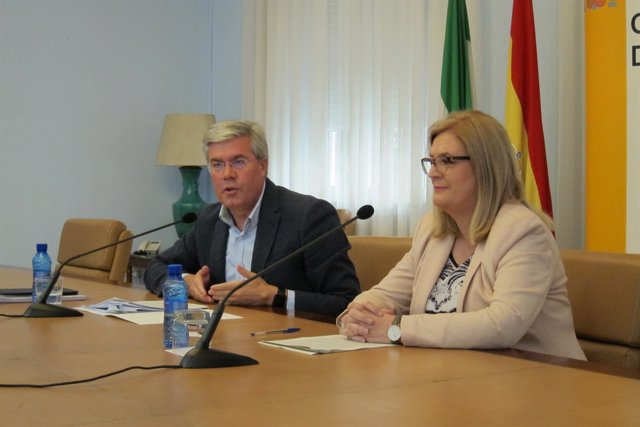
456,80
523,117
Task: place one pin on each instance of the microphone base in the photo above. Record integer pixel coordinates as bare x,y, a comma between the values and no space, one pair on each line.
198,358
48,310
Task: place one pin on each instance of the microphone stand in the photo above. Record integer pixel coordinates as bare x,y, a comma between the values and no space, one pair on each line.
40,308
201,356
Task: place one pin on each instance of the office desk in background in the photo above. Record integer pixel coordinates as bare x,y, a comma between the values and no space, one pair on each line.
135,269
402,386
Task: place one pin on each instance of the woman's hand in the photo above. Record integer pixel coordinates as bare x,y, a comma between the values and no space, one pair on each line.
366,323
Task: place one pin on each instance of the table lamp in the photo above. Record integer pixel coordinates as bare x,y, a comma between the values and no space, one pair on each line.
181,145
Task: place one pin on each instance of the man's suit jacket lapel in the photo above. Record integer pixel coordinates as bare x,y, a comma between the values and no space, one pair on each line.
267,227
218,252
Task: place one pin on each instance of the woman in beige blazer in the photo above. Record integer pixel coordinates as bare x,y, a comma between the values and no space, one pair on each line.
484,269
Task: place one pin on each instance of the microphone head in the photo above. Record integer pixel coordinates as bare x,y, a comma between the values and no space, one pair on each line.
365,212
189,217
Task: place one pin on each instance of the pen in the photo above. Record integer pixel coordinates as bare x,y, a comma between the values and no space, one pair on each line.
275,331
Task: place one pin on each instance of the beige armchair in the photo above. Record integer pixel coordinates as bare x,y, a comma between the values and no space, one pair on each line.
84,234
604,290
374,256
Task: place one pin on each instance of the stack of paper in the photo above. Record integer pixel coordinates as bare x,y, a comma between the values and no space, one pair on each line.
139,312
27,298
119,306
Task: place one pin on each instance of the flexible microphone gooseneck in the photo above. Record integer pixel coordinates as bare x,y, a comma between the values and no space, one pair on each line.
40,308
201,356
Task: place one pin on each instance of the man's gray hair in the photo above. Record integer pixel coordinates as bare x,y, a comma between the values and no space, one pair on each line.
226,130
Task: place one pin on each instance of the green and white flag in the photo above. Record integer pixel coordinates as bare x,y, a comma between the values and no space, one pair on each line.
456,81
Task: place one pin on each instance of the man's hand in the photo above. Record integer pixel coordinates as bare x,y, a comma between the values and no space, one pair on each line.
366,323
257,292
196,285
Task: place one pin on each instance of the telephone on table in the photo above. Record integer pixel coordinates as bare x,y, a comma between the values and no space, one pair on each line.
148,247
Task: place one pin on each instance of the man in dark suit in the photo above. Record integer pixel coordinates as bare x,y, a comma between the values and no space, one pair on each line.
255,224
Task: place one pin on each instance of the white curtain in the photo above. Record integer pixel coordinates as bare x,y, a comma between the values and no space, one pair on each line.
344,92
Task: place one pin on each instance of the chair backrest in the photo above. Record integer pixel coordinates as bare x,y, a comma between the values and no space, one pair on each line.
345,215
84,234
604,291
374,256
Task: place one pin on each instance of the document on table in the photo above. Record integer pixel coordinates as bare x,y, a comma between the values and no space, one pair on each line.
322,345
139,312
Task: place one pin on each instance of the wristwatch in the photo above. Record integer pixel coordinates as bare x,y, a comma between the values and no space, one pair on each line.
280,299
394,333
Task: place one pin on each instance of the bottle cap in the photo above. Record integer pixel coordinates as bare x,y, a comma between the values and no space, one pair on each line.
41,247
175,269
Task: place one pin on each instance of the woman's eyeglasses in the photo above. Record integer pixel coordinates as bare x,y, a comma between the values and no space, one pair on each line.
440,163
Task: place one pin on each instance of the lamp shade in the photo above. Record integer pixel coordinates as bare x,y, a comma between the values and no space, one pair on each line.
181,141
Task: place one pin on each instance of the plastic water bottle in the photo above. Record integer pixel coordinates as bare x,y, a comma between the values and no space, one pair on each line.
175,298
41,264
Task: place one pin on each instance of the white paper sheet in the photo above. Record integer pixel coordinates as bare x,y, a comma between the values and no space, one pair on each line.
322,344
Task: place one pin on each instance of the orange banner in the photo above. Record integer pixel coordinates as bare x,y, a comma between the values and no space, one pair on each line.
606,124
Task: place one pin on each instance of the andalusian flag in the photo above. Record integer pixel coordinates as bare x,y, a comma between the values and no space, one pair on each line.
523,116
456,79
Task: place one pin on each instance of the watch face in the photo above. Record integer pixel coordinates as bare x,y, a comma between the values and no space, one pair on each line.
393,333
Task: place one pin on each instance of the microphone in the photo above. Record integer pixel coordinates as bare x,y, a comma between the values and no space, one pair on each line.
40,308
201,356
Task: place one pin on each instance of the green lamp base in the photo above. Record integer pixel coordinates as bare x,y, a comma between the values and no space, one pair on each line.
190,200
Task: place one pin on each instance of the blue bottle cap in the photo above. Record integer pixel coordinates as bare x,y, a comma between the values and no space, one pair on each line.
175,269
41,247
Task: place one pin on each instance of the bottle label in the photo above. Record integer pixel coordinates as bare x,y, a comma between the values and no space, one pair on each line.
172,305
176,333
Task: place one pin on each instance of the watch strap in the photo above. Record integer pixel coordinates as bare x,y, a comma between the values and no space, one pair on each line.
280,299
397,320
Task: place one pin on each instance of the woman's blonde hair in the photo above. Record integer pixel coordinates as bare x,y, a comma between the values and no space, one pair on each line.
495,167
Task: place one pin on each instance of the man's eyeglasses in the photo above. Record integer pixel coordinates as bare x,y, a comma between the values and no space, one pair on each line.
440,163
237,164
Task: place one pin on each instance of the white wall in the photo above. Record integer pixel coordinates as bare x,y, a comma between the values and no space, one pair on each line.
84,87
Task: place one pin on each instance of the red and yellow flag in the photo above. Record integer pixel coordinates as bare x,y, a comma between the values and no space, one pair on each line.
523,117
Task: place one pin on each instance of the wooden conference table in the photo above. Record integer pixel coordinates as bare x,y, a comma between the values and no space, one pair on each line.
397,385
